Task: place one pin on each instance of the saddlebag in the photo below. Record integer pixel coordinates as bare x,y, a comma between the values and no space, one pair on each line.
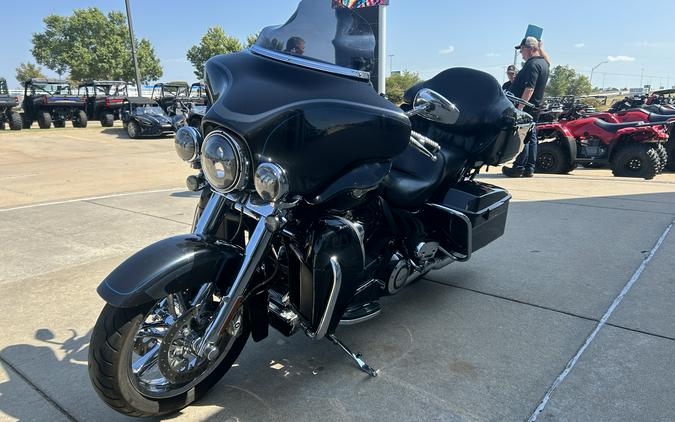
471,215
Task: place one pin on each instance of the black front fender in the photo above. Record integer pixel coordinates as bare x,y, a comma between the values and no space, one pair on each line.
168,266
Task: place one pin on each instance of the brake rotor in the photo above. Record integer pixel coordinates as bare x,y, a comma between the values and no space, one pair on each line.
177,360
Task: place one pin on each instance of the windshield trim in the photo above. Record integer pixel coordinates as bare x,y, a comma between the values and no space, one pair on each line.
312,64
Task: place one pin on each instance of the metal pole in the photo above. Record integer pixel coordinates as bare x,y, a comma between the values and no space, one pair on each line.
133,49
382,50
391,62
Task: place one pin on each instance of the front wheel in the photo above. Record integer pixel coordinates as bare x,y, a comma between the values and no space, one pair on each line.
80,119
142,361
15,121
552,158
107,120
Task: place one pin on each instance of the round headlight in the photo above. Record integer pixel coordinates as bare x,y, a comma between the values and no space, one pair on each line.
271,182
187,143
225,162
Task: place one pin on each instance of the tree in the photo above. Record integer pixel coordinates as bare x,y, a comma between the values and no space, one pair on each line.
213,43
398,84
91,45
27,71
565,81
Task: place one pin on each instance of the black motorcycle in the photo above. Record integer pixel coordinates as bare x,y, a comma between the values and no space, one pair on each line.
318,197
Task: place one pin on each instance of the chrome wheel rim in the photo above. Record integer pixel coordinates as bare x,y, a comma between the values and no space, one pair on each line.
132,130
151,356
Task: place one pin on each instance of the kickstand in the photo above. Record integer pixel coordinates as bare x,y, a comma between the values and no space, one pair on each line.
356,356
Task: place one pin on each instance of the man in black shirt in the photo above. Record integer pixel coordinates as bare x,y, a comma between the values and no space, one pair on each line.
511,74
529,85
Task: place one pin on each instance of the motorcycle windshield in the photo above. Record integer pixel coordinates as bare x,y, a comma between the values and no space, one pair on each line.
323,34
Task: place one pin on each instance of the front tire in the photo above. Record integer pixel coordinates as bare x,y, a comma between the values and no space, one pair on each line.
15,121
133,130
670,150
80,119
107,120
553,159
635,160
45,120
663,156
110,351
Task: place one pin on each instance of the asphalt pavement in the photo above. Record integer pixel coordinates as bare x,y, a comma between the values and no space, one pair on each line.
577,294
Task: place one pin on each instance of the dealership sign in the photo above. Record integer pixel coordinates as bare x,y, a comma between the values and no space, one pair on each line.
357,4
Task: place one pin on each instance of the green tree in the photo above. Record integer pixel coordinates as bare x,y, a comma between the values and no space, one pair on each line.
213,43
565,81
92,45
251,39
27,71
398,84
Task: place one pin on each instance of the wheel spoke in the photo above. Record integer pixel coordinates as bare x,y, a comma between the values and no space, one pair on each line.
146,361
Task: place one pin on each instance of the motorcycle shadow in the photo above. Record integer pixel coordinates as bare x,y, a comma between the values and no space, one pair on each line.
16,391
273,377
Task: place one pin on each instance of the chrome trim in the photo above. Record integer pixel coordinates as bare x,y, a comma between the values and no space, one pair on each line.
332,299
256,247
360,320
243,161
360,234
469,240
194,136
280,178
311,64
210,218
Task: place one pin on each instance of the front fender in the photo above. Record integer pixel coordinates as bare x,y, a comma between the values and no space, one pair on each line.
168,266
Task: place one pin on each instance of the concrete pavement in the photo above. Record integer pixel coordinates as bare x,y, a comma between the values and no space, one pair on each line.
482,340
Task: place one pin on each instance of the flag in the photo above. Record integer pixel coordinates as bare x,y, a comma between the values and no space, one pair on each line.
356,4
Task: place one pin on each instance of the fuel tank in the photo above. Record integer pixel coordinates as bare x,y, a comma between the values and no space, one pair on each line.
315,124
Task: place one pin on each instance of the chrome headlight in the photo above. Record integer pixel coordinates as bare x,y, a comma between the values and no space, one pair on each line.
225,162
187,143
271,182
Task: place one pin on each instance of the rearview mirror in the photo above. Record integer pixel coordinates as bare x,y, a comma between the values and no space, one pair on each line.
433,106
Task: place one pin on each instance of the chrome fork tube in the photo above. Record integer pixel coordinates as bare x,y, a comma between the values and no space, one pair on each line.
211,217
255,249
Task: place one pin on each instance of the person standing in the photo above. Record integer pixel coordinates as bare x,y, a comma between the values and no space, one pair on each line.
511,74
529,85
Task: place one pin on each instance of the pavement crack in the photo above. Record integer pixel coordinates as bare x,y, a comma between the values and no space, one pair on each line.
37,389
518,301
136,212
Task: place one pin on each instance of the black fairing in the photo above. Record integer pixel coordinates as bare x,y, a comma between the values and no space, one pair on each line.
317,125
486,128
168,266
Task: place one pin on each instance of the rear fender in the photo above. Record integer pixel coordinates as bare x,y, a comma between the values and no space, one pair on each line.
168,266
563,135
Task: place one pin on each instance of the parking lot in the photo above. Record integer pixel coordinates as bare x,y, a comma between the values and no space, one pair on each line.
483,340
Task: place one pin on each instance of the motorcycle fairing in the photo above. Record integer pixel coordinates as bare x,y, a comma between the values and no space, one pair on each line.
168,266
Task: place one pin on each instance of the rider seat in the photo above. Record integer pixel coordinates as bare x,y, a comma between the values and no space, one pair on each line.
615,127
658,109
414,177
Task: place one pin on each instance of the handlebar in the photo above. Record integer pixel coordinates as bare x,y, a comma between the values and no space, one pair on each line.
424,145
517,100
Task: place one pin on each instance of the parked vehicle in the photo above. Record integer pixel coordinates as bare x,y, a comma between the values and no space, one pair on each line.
168,94
628,103
666,152
7,105
144,117
631,149
316,200
51,100
104,100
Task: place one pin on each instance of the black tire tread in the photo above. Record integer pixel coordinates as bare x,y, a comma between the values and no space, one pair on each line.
563,162
107,120
15,121
649,157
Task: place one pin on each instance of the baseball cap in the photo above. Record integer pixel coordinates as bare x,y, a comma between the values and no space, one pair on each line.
528,42
511,68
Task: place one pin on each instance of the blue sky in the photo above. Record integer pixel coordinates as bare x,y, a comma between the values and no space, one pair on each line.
425,36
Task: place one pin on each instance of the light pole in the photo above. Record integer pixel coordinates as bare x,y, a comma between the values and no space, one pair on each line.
382,47
133,49
593,70
391,62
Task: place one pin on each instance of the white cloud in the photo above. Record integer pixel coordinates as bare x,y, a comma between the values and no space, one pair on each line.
448,50
621,58
492,55
579,45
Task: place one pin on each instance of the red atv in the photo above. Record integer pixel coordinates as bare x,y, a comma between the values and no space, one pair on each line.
649,114
631,149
